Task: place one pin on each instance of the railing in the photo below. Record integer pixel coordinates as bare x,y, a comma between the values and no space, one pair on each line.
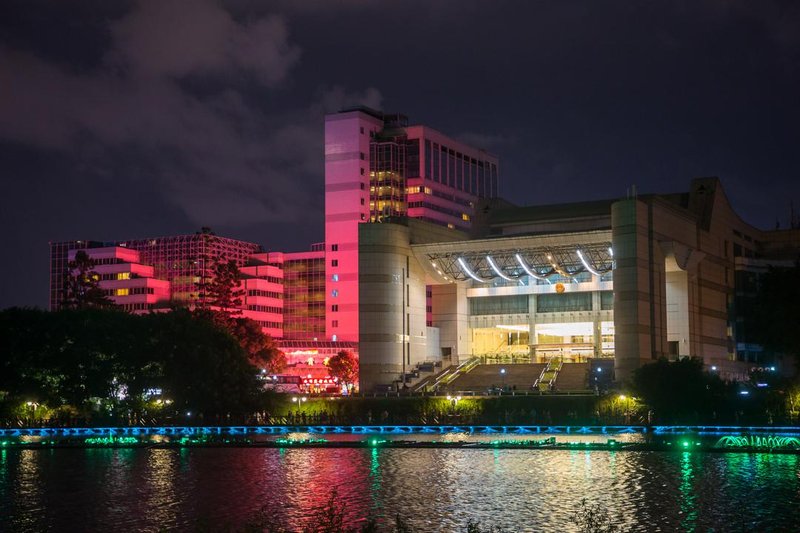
548,375
448,377
323,429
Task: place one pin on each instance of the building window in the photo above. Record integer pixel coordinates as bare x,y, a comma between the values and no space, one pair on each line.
362,130
335,323
335,308
334,247
362,173
122,292
124,275
361,154
363,216
362,185
334,262
334,293
334,338
335,277
362,201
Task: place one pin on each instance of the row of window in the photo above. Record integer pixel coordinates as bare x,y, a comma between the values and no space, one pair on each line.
117,276
445,165
440,194
107,261
265,308
545,303
268,324
136,307
129,291
265,294
440,209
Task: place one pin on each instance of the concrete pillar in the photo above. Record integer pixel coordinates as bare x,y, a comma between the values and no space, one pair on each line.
597,336
532,326
391,305
451,315
639,287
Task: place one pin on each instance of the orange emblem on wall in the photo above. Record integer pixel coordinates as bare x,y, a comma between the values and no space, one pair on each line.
559,288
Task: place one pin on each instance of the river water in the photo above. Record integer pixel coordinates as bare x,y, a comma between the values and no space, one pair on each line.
433,489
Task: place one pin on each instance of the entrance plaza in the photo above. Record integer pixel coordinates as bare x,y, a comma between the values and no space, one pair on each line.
626,280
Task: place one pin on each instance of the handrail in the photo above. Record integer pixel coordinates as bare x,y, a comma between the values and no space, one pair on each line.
448,377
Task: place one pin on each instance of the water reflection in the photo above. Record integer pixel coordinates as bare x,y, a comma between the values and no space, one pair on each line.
434,489
687,496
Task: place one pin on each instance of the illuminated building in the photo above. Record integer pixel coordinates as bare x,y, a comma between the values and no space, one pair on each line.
377,167
143,275
627,280
304,294
125,280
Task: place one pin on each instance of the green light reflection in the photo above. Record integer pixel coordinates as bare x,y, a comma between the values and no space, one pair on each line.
688,499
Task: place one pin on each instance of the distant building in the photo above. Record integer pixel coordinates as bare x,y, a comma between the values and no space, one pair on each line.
143,275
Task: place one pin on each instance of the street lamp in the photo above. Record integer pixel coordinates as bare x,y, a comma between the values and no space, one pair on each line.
33,406
503,375
453,402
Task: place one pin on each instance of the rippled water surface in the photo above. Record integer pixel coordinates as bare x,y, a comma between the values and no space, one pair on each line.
435,489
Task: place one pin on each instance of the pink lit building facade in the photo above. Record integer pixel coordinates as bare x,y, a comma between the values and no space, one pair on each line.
378,167
144,275
125,280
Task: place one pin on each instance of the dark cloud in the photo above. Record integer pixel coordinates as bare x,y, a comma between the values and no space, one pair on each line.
218,157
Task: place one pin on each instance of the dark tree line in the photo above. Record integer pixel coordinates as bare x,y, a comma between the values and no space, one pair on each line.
107,363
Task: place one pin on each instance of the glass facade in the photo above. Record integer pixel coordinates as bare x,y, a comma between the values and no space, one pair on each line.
186,261
304,297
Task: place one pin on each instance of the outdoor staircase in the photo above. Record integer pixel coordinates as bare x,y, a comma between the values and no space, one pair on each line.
547,379
447,376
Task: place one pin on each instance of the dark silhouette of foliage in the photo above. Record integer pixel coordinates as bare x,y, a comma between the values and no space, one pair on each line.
262,350
95,359
681,391
82,284
776,313
344,365
223,291
592,518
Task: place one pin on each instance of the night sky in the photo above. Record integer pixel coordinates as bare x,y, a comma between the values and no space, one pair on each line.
136,119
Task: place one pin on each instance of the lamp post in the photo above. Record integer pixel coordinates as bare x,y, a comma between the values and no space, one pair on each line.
453,402
299,401
33,406
503,376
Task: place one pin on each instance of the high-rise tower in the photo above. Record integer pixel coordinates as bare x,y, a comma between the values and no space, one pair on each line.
377,167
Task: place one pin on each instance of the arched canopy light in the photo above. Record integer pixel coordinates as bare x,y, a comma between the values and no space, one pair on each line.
586,264
467,271
497,270
527,270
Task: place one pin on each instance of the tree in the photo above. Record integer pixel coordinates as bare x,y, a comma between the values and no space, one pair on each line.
223,290
262,350
344,366
681,391
82,284
93,358
776,312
